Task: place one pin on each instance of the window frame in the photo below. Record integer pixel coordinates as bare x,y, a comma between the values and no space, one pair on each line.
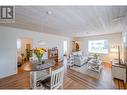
106,51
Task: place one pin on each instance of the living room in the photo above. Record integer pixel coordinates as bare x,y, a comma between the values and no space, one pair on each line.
87,50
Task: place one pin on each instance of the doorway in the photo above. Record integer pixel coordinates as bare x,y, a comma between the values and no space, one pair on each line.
24,51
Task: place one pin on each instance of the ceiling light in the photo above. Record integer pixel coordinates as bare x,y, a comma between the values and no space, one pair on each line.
118,18
41,42
49,12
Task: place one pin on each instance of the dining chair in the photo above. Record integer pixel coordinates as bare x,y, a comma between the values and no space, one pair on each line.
36,76
56,79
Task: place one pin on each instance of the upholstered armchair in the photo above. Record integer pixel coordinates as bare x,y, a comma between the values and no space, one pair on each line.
80,60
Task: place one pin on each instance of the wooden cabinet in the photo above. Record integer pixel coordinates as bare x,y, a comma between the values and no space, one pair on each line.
53,54
119,71
124,47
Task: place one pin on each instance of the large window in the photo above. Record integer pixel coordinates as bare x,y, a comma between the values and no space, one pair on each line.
98,46
65,47
18,44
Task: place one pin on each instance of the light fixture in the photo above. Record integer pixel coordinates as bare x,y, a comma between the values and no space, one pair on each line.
87,33
49,12
118,18
41,42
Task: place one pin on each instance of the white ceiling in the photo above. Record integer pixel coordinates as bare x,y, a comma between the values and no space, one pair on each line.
73,21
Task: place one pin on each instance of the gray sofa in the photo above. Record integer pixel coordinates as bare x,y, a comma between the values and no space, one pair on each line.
79,58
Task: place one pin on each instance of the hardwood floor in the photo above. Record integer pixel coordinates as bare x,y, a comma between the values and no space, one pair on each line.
72,80
86,82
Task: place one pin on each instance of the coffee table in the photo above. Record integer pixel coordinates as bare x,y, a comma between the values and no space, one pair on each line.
94,65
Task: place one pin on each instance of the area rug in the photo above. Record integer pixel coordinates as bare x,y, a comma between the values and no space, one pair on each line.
83,69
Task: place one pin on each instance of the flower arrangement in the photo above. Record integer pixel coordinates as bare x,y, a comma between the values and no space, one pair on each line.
39,53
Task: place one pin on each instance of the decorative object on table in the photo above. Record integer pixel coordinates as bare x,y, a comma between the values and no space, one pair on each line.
96,56
39,54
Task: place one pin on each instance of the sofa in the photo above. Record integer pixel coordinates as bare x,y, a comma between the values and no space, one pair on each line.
79,58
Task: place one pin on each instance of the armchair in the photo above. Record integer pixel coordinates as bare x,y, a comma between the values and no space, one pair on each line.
70,61
80,60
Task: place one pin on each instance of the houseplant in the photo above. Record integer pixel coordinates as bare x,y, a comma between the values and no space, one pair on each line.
28,54
96,56
39,54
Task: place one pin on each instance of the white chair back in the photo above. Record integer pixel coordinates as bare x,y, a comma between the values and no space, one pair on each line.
57,78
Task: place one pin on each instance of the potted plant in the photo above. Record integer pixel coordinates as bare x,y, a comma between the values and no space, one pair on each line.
39,54
96,56
28,54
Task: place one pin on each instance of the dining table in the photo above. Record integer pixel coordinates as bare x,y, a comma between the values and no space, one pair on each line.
39,71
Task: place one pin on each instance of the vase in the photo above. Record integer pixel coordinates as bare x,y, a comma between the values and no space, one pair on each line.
39,60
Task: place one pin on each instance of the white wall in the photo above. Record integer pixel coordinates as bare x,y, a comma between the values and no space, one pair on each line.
7,53
113,39
8,37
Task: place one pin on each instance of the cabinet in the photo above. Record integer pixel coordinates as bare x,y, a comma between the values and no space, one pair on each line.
119,71
124,47
53,54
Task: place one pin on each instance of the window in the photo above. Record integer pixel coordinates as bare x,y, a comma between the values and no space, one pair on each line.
18,44
98,46
64,47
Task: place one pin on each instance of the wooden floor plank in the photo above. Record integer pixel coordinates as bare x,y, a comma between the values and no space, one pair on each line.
125,86
121,84
72,80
